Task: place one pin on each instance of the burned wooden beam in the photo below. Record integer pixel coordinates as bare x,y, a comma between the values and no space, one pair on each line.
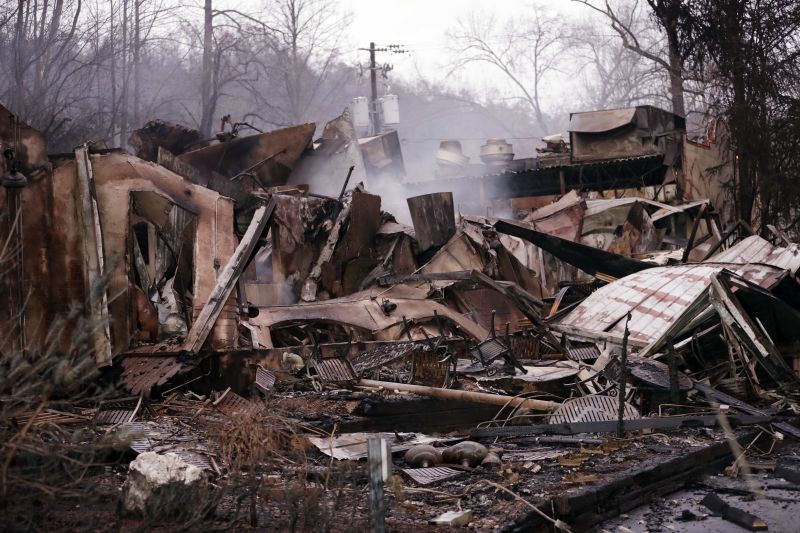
733,514
94,257
748,332
308,293
227,280
594,261
450,394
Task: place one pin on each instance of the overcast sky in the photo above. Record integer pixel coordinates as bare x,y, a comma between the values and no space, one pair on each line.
422,26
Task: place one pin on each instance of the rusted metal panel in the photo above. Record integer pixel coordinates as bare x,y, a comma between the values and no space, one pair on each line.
230,274
271,155
364,311
297,236
480,303
117,176
754,249
655,298
141,374
563,218
599,135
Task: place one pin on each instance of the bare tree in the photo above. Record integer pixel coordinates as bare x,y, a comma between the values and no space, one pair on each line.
525,50
613,75
45,55
298,48
671,57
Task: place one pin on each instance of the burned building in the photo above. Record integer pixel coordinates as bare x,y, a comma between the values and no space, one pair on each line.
264,324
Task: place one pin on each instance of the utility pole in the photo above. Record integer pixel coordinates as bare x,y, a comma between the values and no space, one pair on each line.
374,112
373,103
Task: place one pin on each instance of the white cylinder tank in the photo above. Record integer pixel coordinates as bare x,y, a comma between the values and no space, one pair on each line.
360,112
390,105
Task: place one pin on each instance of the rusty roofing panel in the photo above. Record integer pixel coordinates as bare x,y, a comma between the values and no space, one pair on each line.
655,298
140,374
754,249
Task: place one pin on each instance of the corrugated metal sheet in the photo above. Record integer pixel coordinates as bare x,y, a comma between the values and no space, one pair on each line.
655,298
426,476
601,121
754,249
593,408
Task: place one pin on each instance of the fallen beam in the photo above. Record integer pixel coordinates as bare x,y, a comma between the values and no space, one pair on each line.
227,279
585,506
309,291
733,514
467,396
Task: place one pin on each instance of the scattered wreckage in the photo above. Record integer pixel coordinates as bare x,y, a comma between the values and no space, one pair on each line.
555,369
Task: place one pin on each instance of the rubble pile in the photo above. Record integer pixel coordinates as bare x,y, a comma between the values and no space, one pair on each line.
279,340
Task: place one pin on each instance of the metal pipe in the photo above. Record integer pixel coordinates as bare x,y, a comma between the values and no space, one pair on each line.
467,396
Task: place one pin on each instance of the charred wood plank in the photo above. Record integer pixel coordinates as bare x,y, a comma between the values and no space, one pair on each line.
227,280
433,218
733,514
94,259
748,332
309,291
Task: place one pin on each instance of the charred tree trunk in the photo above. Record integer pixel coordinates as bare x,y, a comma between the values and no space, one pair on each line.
123,116
675,75
207,104
137,72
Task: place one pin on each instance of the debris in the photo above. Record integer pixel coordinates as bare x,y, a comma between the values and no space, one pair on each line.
249,264
453,518
608,426
733,514
354,445
164,487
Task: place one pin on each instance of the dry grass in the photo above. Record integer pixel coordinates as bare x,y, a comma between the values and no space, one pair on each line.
273,481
